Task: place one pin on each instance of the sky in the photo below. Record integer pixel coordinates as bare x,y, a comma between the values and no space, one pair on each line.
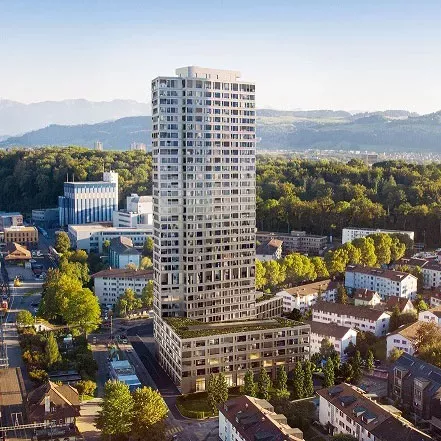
312,54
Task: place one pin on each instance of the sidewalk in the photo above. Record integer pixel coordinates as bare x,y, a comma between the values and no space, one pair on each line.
86,422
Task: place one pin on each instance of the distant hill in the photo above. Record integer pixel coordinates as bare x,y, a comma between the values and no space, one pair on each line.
18,118
392,130
115,135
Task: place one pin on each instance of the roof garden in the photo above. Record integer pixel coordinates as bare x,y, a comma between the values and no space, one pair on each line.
188,328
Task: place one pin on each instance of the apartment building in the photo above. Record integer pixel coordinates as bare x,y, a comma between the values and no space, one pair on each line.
269,250
268,306
351,233
339,336
91,237
204,209
431,274
435,299
138,146
404,305
431,315
45,217
22,235
249,419
296,241
385,282
88,202
350,316
304,296
415,384
346,409
122,253
109,285
404,338
190,350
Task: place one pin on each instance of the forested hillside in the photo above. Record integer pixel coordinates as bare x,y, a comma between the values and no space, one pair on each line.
319,197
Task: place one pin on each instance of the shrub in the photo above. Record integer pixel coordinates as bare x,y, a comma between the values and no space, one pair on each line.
38,376
86,387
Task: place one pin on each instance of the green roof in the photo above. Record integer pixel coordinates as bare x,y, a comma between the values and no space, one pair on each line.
188,328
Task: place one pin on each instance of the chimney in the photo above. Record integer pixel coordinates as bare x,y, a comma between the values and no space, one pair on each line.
47,404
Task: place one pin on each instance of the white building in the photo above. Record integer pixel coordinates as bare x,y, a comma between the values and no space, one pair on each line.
431,274
109,285
339,336
137,214
204,209
346,409
139,146
87,202
435,299
350,316
304,296
91,237
269,250
296,241
385,282
249,419
98,145
366,297
431,315
122,253
403,338
351,233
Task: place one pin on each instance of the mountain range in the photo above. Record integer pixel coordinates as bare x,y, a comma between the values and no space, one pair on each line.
81,122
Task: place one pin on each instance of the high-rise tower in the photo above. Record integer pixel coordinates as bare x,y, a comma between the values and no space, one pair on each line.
204,204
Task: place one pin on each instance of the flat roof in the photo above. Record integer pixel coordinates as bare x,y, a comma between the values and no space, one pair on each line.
100,227
188,328
124,273
310,288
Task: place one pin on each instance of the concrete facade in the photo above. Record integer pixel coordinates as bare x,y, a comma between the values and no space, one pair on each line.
351,233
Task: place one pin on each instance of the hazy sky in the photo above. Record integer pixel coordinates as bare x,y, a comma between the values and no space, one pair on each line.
334,54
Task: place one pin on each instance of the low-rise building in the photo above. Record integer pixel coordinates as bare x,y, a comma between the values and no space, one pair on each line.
435,299
10,220
250,419
109,285
411,262
190,351
431,274
339,336
45,217
404,305
351,233
350,316
268,306
91,237
384,281
296,241
22,235
431,315
269,250
366,297
12,397
404,339
16,253
415,384
346,409
137,214
304,296
122,253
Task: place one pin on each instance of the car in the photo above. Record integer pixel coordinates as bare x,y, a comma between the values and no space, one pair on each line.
123,339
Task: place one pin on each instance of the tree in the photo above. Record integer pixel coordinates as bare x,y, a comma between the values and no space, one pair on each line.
298,381
25,318
116,414
52,353
128,302
337,260
394,321
342,295
260,275
370,360
281,381
147,295
86,387
77,256
146,263
346,372
308,385
367,249
421,305
106,246
320,267
427,334
382,244
75,269
275,273
354,253
263,384
326,349
394,355
249,386
356,367
149,411
147,249
62,242
217,391
328,374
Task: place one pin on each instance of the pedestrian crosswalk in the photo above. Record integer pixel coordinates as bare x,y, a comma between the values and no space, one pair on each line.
172,430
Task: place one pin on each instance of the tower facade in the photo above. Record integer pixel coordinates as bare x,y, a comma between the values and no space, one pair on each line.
204,205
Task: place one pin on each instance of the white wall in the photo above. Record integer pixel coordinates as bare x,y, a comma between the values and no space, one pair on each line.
399,342
109,289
